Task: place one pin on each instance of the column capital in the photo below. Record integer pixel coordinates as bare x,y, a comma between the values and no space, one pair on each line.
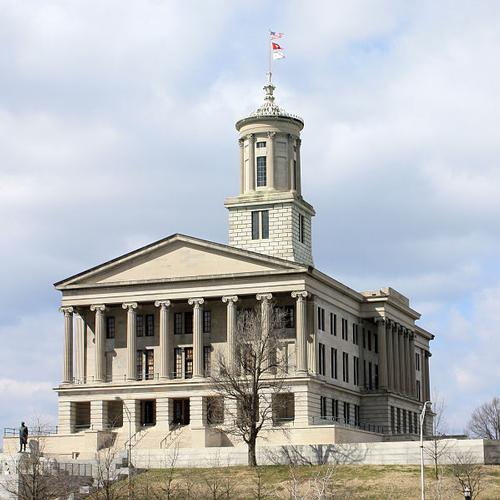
271,135
299,141
98,307
129,305
163,303
67,310
381,319
241,142
300,294
230,299
196,302
250,137
264,296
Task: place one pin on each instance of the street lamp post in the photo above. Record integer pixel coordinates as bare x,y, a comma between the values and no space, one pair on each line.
422,417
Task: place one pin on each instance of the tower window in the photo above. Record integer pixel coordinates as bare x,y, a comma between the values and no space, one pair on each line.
260,225
261,171
261,144
301,228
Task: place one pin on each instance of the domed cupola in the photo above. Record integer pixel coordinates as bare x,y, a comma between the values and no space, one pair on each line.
269,215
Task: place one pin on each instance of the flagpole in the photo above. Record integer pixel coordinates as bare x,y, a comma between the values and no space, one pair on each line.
270,74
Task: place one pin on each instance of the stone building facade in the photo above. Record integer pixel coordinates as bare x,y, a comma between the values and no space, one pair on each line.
141,331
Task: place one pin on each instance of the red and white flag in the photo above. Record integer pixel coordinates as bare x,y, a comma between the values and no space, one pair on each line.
277,51
275,35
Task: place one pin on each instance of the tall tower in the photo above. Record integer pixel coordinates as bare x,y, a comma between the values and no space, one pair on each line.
269,215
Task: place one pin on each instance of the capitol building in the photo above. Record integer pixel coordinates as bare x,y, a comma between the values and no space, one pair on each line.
141,331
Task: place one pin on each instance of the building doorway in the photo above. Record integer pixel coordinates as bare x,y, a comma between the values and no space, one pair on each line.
181,414
148,412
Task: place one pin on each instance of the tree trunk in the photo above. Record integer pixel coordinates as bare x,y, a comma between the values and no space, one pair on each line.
252,460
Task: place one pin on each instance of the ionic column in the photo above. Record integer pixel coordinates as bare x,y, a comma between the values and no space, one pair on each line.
297,173
382,355
165,338
265,310
242,165
99,331
197,337
412,366
427,377
270,158
231,327
68,345
300,332
401,359
131,340
79,347
251,162
407,363
390,355
397,379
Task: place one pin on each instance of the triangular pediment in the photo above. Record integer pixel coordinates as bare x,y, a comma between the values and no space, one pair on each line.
178,257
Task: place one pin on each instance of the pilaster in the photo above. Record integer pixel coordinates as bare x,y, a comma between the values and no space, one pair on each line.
131,340
68,345
165,338
231,327
300,332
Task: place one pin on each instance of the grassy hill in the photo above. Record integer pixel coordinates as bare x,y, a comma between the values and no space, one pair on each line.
304,482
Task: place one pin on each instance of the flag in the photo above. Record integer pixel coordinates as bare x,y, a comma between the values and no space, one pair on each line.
277,51
275,35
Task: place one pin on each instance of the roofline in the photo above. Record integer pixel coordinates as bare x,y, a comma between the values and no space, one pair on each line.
179,237
424,333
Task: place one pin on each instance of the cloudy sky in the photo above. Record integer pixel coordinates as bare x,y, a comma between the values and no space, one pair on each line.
117,129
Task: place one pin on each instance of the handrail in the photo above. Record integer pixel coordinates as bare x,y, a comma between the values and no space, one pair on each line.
33,431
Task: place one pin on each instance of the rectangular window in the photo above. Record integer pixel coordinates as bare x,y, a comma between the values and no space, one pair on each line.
415,424
261,144
335,409
255,225
207,355
150,364
178,362
110,327
417,361
323,406
398,420
265,224
345,367
375,342
331,324
376,376
321,359
188,362
403,430
365,373
207,321
215,410
321,319
150,325
289,316
178,323
355,329
410,422
393,420
138,364
347,412
418,391
333,362
301,228
188,322
261,171
139,325
364,338
345,333
260,225
369,340
356,415
356,370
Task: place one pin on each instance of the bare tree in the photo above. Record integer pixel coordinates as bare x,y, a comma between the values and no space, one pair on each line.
437,447
106,487
485,420
468,472
253,377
